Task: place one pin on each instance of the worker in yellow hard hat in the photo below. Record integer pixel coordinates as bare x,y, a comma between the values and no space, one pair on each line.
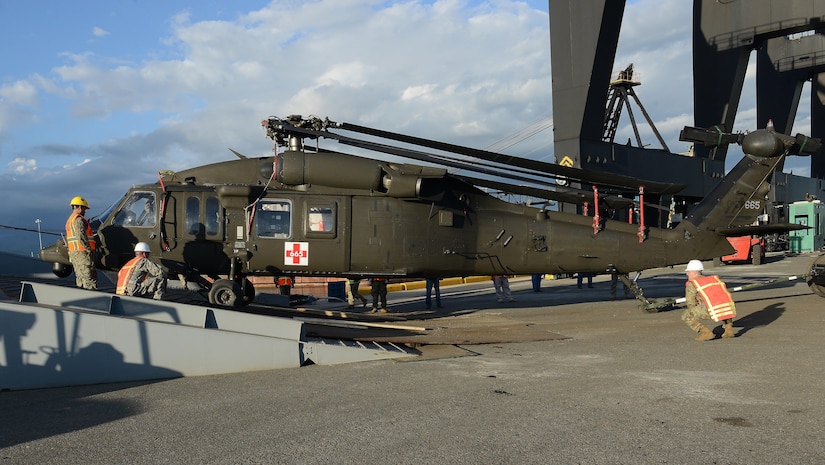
80,240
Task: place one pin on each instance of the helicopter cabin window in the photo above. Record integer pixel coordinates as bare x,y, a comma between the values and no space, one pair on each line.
137,211
321,220
272,219
213,216
193,213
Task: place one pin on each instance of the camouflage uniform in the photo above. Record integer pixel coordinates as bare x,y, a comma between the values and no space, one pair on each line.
696,309
82,261
146,280
502,284
352,293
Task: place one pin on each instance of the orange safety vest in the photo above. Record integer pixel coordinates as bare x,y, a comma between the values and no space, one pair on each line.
125,274
73,241
284,281
716,297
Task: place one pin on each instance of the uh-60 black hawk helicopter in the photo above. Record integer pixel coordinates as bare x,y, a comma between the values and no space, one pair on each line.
308,211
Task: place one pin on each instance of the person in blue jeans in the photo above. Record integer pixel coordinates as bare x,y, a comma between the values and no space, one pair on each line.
537,281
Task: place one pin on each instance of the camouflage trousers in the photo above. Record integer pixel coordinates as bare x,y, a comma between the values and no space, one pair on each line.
84,270
693,314
152,287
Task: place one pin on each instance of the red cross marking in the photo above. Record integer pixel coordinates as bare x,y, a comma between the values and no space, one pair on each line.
296,253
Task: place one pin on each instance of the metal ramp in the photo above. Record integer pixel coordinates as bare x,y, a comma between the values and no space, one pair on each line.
61,336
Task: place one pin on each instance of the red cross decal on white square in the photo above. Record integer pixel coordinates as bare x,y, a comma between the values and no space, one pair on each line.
296,253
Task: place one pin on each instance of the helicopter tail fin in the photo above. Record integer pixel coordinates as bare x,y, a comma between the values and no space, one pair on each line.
740,196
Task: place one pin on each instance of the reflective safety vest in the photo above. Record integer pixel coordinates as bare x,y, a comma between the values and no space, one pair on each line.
125,274
72,238
716,297
284,281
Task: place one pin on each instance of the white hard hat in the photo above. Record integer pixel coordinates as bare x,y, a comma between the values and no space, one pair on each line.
142,247
695,265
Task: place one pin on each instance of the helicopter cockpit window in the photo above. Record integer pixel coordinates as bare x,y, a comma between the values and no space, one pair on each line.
321,219
137,211
272,219
193,213
213,215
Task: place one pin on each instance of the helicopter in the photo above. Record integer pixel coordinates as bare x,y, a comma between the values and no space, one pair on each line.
312,211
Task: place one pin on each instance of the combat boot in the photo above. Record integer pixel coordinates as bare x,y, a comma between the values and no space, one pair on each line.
705,335
728,326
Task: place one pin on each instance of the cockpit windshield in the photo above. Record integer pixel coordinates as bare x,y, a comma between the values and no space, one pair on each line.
138,210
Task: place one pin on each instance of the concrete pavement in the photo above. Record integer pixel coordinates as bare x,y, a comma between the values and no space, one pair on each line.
624,386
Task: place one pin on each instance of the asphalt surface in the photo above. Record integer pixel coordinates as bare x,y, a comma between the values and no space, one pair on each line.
622,387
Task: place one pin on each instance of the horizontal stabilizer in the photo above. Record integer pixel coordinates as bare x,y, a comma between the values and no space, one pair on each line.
761,229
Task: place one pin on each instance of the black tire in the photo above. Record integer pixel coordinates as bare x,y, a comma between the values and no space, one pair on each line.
818,290
60,270
225,292
816,278
756,254
248,292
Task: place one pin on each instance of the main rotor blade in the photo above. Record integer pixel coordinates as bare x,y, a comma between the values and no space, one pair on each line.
586,176
567,196
422,156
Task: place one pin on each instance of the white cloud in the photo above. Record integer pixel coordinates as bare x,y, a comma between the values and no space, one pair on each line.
22,166
99,32
463,72
19,92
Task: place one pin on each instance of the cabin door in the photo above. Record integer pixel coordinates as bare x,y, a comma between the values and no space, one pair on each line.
301,235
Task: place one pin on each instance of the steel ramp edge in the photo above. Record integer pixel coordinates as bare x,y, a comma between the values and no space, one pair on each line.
54,328
47,346
328,351
162,311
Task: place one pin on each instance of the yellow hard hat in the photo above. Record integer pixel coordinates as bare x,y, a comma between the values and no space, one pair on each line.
79,201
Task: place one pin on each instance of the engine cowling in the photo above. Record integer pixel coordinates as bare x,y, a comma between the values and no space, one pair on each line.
342,171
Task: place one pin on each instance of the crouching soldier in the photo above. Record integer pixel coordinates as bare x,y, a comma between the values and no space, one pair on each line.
141,277
707,298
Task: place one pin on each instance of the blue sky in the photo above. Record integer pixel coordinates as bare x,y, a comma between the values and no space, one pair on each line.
96,96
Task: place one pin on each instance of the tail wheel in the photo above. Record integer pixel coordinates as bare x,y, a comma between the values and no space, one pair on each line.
225,292
756,254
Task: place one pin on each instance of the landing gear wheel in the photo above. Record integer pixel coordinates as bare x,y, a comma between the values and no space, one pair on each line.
816,276
248,292
225,292
756,254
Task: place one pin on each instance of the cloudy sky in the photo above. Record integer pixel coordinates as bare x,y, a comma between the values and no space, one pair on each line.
96,96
